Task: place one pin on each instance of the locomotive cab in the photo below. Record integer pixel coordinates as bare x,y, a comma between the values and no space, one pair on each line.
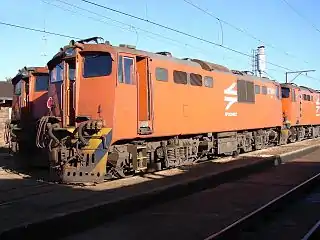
290,104
79,76
81,99
299,107
30,87
30,93
90,84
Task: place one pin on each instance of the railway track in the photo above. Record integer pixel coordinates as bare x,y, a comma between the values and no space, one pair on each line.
200,214
313,233
66,209
247,226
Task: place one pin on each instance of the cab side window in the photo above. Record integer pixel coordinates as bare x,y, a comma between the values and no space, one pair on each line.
120,69
97,65
17,88
126,70
293,97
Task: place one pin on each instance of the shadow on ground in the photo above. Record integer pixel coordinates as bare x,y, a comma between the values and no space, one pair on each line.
24,200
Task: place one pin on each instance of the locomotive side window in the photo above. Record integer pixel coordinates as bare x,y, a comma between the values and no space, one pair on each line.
195,79
17,88
278,92
250,92
97,65
120,69
26,87
162,74
293,95
257,89
72,71
56,74
128,70
308,97
245,91
241,87
304,97
208,82
180,77
285,92
41,83
264,90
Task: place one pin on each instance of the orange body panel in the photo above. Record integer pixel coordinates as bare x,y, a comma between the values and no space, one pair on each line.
38,98
185,109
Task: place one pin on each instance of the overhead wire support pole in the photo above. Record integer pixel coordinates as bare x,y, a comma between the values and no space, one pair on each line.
299,73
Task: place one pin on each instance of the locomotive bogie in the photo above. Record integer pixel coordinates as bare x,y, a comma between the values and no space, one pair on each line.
184,150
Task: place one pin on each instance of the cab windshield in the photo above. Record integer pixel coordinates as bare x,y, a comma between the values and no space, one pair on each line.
41,83
56,74
97,65
17,88
285,92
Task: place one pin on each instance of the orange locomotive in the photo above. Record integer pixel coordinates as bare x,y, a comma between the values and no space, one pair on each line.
28,105
300,106
118,110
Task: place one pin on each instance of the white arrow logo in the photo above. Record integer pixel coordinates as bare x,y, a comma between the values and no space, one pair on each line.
230,100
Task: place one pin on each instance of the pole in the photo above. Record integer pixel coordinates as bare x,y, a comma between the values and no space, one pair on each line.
299,73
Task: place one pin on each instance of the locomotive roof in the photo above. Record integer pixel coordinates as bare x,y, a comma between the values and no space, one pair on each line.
25,73
86,46
194,63
293,85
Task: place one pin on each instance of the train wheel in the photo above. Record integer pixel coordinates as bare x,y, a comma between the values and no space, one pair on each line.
123,169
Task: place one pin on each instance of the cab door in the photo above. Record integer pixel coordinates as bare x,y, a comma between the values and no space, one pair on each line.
17,100
144,93
70,84
299,117
24,99
56,90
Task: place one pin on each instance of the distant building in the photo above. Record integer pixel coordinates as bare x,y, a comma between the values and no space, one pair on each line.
6,95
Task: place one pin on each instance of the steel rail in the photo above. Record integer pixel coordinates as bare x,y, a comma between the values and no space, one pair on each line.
312,231
235,227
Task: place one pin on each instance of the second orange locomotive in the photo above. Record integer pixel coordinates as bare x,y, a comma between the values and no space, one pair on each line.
116,110
28,106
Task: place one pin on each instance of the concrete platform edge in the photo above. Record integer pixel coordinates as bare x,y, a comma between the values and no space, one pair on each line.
61,225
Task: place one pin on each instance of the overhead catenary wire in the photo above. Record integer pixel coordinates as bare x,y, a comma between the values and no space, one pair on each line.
301,16
183,33
37,30
92,18
168,28
122,23
240,30
163,26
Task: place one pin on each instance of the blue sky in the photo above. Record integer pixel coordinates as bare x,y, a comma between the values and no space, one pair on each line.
271,21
